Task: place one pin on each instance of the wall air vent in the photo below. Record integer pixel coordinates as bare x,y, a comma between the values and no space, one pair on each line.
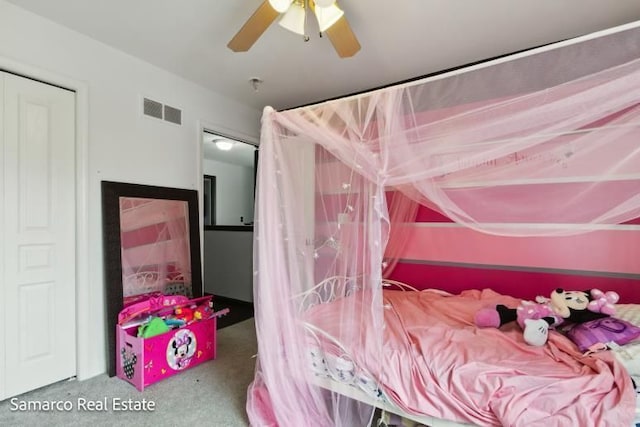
152,108
172,115
160,111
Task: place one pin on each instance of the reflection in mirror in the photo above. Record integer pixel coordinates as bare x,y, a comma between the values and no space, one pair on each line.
154,236
229,182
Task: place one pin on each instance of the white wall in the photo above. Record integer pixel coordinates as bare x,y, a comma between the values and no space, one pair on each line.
234,191
122,145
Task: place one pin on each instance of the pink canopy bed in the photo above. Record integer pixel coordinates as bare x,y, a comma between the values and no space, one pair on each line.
543,143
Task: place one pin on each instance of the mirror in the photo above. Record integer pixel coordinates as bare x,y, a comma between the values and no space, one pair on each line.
151,244
229,182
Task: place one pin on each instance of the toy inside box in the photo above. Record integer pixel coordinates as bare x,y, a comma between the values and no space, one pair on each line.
162,335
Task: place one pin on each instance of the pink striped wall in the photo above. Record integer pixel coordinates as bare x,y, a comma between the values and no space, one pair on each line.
447,256
526,284
598,251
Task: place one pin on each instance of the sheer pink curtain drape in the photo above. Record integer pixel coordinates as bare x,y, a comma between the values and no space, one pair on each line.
539,144
402,210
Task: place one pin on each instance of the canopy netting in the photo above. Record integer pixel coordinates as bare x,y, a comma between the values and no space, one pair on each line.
541,143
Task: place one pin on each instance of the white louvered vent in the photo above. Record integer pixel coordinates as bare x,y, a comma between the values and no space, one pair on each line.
160,111
172,115
152,108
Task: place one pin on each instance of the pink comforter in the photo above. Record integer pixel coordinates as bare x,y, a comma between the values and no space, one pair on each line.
437,363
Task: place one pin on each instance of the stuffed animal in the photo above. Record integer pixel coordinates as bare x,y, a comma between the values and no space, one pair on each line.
184,313
535,319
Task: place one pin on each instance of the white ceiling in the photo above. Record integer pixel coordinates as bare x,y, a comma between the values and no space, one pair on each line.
401,39
241,154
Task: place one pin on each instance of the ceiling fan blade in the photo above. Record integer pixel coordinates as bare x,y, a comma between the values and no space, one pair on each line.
343,39
253,28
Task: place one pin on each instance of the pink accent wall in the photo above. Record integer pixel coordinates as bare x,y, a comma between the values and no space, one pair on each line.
446,256
520,284
523,267
602,251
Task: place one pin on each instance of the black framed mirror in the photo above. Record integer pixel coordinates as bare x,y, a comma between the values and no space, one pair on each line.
151,244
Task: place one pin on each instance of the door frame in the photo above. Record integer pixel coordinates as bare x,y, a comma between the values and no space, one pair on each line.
81,89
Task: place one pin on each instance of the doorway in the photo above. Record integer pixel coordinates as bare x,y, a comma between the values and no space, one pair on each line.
229,172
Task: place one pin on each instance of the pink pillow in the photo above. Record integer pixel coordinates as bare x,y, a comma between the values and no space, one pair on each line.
604,330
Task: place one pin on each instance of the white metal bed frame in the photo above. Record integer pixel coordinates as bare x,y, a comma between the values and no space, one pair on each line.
337,287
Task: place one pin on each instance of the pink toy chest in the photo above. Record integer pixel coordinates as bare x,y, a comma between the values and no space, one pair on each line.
144,361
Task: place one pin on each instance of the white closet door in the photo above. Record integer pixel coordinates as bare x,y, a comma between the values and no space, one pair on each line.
38,231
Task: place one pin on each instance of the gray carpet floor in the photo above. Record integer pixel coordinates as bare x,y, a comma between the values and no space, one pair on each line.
211,394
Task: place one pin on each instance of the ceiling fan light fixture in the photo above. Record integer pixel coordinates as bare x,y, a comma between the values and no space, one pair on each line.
327,16
224,144
280,6
294,19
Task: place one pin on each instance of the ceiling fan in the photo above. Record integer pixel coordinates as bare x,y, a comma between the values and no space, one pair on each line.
331,21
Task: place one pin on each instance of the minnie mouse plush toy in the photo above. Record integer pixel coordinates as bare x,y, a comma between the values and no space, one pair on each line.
535,319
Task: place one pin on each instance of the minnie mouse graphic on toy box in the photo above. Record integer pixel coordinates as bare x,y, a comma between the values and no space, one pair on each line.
181,349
